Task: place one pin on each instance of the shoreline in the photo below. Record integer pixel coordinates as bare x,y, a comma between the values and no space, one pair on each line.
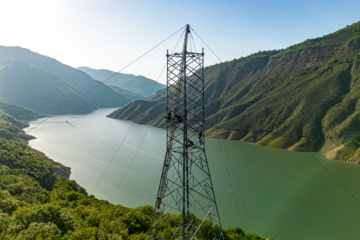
57,167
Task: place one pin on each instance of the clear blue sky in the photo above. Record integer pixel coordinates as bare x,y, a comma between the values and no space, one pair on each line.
111,33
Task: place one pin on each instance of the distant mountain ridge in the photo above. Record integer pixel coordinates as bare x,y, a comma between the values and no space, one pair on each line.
135,84
45,85
303,98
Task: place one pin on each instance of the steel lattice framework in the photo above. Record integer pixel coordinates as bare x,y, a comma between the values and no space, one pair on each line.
185,206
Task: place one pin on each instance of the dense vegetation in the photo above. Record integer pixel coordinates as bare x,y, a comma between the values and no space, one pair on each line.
36,203
19,112
45,85
136,84
303,98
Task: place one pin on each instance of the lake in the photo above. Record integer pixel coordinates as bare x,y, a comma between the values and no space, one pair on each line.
271,192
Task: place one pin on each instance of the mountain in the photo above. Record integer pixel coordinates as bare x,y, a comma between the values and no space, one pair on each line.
39,90
303,98
135,84
45,85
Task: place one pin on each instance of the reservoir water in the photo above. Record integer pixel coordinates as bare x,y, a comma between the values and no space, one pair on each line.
274,193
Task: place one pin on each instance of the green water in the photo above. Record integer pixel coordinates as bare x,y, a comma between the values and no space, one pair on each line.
271,192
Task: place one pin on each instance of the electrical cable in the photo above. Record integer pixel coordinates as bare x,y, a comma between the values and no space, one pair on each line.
113,157
193,42
232,188
132,161
241,196
153,187
206,44
159,174
157,80
190,46
118,148
231,185
336,179
100,83
227,171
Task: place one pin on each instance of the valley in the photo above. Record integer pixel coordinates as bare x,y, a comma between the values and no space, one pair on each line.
272,192
275,122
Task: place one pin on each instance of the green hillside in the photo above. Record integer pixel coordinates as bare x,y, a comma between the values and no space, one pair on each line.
36,203
45,85
135,84
303,98
19,112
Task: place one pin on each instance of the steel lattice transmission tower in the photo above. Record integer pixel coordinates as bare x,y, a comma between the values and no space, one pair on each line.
185,206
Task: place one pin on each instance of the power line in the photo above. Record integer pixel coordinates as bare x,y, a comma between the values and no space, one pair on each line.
113,157
192,42
153,187
206,45
132,161
336,179
232,188
157,80
100,83
118,148
237,185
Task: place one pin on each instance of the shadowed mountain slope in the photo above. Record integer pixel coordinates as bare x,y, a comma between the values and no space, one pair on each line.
45,85
303,98
38,90
136,84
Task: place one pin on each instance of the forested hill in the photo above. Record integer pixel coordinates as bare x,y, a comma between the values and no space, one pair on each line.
37,203
45,85
303,98
19,112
